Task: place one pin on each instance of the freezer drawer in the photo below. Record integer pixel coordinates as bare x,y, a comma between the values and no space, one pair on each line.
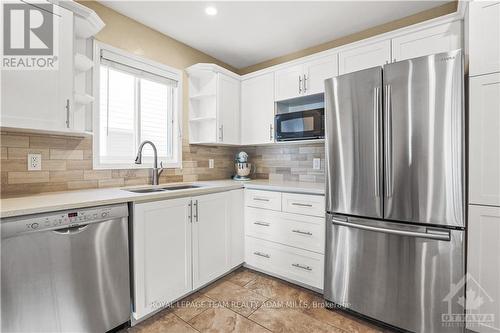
399,274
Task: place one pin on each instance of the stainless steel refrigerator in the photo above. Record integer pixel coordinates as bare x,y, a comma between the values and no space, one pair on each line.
395,197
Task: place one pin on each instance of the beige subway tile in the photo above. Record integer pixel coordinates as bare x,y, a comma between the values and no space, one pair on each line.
115,182
63,154
87,154
96,174
64,176
79,164
22,153
79,144
137,181
14,165
189,178
53,142
82,184
3,154
14,140
53,165
22,177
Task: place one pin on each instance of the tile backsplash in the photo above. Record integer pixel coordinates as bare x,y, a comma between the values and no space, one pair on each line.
67,164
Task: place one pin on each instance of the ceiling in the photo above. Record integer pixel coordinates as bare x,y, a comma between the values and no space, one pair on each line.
246,33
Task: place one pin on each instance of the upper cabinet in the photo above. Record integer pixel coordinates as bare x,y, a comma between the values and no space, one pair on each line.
441,38
365,56
304,79
484,37
214,105
257,109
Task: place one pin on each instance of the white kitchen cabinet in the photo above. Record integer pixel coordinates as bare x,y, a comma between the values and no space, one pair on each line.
484,140
214,105
161,248
484,265
441,38
236,228
365,56
257,110
42,99
228,109
210,237
484,37
304,79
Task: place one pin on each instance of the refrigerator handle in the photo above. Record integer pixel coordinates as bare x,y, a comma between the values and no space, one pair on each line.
388,141
376,137
430,234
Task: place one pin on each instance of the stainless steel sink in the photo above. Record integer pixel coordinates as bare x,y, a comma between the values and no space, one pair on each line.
181,187
145,190
161,189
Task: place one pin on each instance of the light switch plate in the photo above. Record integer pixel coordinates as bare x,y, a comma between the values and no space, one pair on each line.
211,163
316,163
34,162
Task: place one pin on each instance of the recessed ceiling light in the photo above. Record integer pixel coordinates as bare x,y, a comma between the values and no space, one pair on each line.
211,10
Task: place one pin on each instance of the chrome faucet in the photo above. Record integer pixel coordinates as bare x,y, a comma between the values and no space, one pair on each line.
156,171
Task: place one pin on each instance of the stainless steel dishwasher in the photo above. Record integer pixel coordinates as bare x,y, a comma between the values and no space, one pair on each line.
66,271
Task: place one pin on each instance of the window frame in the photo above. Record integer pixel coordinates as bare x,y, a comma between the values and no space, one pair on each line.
154,67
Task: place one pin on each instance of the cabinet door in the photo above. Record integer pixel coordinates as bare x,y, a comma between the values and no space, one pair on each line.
484,140
228,105
289,82
210,238
236,223
161,254
442,38
365,56
317,71
257,109
484,37
484,265
36,99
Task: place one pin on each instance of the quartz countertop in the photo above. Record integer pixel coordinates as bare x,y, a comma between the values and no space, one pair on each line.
54,201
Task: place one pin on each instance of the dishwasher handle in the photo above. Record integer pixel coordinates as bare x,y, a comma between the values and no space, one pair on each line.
71,230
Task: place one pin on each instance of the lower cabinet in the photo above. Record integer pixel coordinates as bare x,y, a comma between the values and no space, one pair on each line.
483,267
178,245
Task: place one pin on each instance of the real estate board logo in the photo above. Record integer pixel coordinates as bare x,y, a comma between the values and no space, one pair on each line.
29,36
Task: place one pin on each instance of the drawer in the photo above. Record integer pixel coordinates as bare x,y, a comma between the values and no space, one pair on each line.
299,265
263,199
305,232
304,204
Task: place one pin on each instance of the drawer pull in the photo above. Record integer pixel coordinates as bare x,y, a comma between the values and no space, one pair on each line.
307,268
261,199
301,204
302,232
264,224
260,254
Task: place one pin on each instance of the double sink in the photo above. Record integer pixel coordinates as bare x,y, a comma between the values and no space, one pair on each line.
162,189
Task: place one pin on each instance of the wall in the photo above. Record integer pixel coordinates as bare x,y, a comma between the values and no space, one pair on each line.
448,8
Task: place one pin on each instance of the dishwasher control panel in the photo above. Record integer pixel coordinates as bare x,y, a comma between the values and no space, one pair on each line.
62,219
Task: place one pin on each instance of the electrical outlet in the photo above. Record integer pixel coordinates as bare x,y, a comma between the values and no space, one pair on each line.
316,163
34,162
211,163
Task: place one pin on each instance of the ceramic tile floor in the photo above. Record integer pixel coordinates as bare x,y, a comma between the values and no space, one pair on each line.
246,301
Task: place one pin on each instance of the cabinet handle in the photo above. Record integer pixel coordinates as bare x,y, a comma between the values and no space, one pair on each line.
301,204
196,210
300,84
260,254
264,224
305,83
271,132
67,113
261,199
307,268
302,232
221,133
191,211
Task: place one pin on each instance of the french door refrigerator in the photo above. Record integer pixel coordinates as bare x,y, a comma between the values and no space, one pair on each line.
395,196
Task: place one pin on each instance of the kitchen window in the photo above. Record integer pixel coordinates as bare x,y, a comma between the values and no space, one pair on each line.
138,100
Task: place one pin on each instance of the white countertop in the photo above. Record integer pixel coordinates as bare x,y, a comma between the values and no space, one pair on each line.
54,201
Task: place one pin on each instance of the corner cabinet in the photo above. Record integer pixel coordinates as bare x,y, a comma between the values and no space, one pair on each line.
257,109
214,105
179,245
304,79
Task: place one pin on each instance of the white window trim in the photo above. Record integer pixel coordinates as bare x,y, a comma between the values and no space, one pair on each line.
148,65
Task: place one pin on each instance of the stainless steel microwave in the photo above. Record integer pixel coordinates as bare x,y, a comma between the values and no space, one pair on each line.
300,125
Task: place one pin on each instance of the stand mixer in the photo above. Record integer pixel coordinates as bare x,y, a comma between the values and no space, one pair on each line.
242,167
